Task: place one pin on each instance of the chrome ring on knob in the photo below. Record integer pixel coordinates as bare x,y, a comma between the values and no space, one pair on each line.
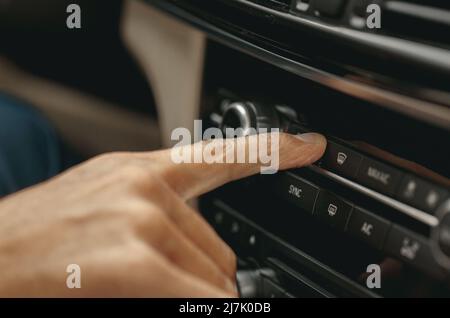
243,111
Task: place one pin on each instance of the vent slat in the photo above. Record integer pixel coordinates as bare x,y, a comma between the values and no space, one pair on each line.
413,20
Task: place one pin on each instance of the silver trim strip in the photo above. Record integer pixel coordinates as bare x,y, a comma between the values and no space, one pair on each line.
433,55
435,113
432,112
406,209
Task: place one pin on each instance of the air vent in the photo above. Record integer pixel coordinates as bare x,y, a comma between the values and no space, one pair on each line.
425,21
281,5
443,4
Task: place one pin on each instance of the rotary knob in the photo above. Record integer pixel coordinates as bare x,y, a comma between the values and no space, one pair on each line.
444,235
251,282
247,118
441,236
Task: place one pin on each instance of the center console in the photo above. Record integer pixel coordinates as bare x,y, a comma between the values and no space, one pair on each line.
378,202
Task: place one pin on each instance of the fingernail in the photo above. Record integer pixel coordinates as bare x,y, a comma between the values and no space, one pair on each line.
311,138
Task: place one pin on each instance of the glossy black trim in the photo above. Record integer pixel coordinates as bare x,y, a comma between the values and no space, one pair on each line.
274,243
409,104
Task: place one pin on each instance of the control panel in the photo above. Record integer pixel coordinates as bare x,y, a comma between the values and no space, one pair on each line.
367,181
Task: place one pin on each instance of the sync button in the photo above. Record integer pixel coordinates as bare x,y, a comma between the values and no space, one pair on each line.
297,191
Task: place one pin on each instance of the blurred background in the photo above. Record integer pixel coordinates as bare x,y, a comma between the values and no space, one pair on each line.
68,94
70,74
122,82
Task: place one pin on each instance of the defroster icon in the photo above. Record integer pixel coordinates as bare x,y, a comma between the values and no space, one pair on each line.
341,158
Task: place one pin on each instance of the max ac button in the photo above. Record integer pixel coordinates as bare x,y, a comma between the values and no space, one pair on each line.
378,176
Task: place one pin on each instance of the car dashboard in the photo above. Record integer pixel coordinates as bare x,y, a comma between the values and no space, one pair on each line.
378,202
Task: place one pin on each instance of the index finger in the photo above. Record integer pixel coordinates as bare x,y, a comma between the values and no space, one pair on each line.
190,179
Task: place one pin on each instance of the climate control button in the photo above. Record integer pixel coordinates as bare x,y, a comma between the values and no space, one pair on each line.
414,250
297,191
368,227
421,194
444,235
378,176
341,160
333,210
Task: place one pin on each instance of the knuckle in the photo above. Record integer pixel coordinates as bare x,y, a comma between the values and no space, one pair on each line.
137,211
158,226
155,183
132,173
158,219
156,189
139,181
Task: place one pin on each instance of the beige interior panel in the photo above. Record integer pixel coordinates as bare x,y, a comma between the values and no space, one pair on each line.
171,55
90,125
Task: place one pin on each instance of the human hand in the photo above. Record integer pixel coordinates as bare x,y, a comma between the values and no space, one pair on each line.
123,218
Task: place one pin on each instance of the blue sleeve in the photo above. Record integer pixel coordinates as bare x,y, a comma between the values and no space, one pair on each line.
29,147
